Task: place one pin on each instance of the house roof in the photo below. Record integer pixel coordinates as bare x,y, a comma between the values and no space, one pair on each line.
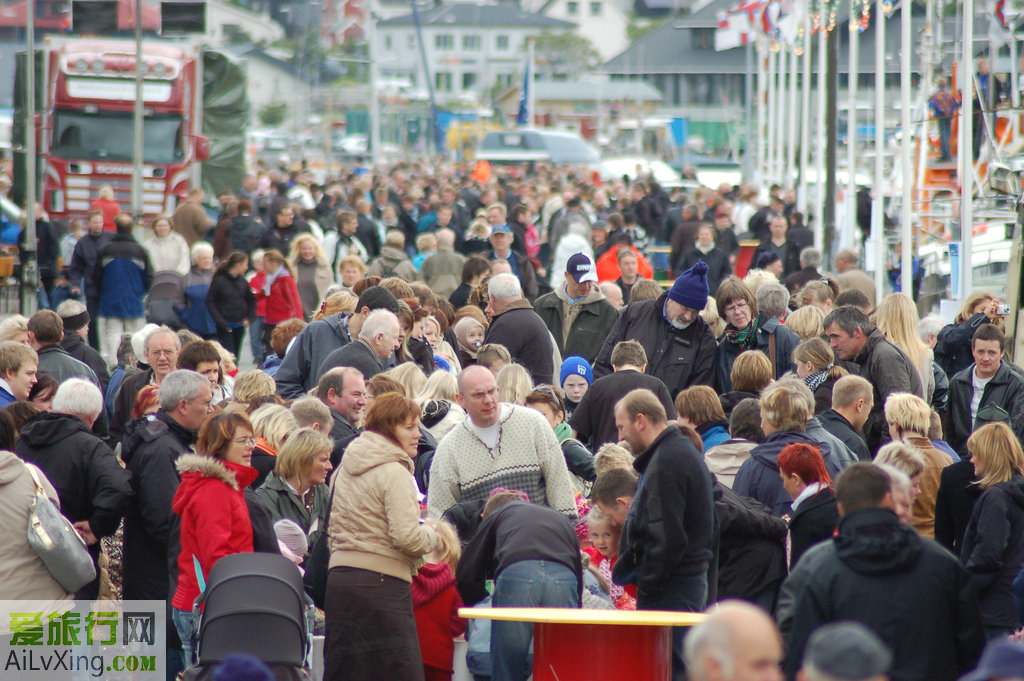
707,16
500,14
669,48
254,51
579,91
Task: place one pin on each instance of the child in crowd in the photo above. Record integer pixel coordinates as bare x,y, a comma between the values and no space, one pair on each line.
603,552
436,603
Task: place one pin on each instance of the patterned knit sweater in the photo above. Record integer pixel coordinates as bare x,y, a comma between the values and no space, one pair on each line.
527,458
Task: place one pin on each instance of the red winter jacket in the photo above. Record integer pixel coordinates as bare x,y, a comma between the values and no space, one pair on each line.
214,518
436,603
283,303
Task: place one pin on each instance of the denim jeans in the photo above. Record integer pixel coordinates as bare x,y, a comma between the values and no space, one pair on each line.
256,341
682,593
527,583
186,629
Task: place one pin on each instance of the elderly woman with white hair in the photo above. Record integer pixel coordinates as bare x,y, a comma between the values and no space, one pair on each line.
92,486
196,284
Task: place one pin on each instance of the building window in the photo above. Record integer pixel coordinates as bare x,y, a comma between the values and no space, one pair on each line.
468,81
502,42
387,42
595,9
574,8
444,41
471,42
443,81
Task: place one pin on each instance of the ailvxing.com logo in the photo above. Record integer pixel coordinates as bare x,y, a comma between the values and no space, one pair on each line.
109,640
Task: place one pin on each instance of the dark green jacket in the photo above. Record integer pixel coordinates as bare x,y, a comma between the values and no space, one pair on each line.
283,503
595,318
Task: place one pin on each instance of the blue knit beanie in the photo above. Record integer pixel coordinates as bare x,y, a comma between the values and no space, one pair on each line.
578,366
691,287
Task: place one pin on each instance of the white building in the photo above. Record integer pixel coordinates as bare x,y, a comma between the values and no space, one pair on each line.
273,81
223,19
470,48
602,22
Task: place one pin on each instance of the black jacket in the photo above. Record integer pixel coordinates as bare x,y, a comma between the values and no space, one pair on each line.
954,503
680,358
124,402
357,354
953,344
790,263
758,476
993,550
669,531
889,371
578,459
528,340
836,423
785,343
82,468
717,260
342,432
1005,389
83,260
516,532
281,239
594,417
76,346
230,301
911,592
814,520
301,365
151,448
751,553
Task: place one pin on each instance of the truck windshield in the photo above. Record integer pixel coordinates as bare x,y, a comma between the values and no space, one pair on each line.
108,136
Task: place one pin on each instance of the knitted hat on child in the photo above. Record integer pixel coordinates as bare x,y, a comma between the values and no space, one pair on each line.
577,366
691,287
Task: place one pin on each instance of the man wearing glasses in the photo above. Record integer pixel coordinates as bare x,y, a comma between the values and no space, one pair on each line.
160,352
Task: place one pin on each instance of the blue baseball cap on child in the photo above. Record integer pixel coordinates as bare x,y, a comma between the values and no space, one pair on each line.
577,366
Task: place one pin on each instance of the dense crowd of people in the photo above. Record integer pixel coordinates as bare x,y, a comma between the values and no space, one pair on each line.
472,391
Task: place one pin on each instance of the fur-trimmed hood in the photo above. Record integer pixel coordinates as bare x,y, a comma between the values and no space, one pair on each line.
198,470
208,467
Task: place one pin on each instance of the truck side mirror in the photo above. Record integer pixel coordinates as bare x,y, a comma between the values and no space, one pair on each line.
202,146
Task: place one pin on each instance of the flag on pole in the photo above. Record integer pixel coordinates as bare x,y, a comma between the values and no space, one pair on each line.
523,117
998,29
736,26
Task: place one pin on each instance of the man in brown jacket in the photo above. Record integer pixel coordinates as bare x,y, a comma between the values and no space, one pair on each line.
190,219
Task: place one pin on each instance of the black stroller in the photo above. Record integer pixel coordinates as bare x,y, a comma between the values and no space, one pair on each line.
165,293
254,605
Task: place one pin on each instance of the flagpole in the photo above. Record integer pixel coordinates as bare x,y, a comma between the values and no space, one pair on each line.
877,203
531,102
770,105
805,118
907,141
792,119
819,157
762,97
780,119
966,150
748,103
851,130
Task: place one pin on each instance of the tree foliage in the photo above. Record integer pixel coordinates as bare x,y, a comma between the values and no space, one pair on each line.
559,56
273,115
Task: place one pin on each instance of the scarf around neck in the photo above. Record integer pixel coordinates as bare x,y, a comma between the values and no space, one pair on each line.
815,380
745,338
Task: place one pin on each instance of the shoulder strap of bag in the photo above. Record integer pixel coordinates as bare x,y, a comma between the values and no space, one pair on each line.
771,355
35,478
199,574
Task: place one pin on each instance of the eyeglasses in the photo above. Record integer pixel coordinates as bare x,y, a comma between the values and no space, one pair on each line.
246,441
161,353
736,307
